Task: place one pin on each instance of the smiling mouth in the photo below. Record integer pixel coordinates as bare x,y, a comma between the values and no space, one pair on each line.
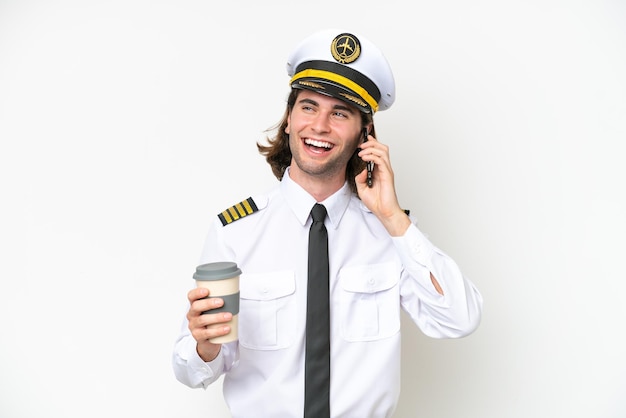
320,145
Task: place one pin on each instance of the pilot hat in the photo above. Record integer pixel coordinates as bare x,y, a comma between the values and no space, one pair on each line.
345,66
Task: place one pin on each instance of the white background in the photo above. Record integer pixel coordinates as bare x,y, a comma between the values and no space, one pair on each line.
126,125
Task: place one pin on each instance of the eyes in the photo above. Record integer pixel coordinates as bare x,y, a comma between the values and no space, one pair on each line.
342,114
311,108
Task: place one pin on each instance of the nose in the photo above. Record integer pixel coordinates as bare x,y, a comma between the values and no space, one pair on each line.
321,123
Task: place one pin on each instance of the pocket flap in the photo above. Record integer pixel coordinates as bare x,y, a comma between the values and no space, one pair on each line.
369,279
267,286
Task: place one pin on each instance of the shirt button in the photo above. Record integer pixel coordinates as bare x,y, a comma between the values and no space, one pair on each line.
371,281
265,290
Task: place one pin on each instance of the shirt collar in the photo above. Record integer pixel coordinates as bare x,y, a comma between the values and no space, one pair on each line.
301,202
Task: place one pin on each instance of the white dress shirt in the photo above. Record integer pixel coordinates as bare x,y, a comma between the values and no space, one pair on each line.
372,276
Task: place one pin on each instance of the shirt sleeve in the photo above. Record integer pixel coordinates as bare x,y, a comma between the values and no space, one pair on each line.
189,368
454,314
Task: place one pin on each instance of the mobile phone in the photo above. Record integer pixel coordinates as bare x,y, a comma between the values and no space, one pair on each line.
369,164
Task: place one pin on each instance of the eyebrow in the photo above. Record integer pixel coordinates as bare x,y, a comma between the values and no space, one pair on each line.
335,107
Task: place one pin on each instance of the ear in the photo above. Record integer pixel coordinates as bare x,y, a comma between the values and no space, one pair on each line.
287,129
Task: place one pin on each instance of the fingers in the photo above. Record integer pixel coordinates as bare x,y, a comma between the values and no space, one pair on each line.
381,199
202,323
208,326
374,151
197,293
361,178
204,328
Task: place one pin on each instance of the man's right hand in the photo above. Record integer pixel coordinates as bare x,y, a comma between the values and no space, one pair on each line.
206,326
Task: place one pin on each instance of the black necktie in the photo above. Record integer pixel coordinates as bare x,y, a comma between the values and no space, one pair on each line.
317,354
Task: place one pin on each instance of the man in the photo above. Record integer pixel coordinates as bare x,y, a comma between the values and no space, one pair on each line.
379,261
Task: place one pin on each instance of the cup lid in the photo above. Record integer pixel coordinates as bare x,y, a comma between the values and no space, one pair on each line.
217,271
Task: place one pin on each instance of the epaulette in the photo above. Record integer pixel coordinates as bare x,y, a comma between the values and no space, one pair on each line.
238,211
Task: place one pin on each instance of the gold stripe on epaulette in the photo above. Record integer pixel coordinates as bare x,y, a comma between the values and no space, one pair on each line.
238,211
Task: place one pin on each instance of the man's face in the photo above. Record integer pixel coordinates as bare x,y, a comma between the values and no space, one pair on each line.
324,133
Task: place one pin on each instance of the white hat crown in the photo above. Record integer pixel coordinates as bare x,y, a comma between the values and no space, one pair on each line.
344,65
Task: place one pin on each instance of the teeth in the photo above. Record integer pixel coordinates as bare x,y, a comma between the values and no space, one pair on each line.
318,144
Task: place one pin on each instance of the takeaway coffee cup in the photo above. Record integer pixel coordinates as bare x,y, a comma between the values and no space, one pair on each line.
222,280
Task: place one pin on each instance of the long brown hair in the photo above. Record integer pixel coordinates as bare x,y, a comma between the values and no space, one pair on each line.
278,154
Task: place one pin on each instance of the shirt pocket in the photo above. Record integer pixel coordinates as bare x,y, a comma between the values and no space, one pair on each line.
267,313
370,302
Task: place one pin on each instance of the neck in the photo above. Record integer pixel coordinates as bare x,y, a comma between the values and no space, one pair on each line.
320,187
